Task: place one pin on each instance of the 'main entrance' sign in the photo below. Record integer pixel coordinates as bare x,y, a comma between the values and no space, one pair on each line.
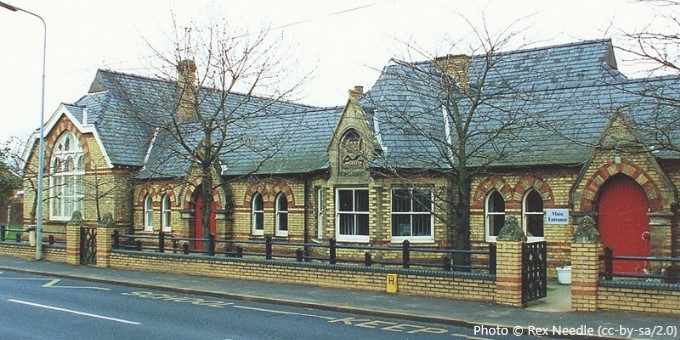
557,216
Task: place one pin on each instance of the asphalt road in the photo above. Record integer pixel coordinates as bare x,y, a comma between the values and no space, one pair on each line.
41,307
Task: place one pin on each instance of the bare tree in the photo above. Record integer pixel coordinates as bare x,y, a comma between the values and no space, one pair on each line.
655,49
459,115
228,93
99,186
657,45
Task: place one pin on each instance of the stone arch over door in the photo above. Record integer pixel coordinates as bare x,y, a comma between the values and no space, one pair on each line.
631,170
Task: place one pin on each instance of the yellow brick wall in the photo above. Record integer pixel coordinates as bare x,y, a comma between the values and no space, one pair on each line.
112,183
294,188
585,274
421,285
638,300
673,172
24,251
512,185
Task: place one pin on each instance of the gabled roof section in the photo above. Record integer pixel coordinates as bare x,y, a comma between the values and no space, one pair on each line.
284,143
560,96
126,109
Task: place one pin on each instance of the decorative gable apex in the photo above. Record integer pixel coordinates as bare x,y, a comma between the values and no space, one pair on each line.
620,150
353,145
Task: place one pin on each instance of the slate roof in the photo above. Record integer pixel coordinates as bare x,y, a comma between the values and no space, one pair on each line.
290,141
559,99
126,109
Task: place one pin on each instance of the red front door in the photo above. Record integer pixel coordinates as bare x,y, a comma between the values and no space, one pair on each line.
623,222
198,223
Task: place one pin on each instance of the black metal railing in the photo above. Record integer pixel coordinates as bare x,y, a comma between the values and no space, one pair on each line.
16,235
405,256
54,238
11,234
666,269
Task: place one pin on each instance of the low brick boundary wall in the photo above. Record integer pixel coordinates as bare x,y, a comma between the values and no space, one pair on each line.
26,251
449,285
648,297
590,293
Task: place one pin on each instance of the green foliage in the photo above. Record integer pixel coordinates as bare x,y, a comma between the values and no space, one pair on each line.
8,180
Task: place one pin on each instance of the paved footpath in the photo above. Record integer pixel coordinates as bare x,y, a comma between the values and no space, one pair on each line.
550,315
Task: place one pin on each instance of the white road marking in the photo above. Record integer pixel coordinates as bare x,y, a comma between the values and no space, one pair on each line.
52,283
284,312
74,312
23,278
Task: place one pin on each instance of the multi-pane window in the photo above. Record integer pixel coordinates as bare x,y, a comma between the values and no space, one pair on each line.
532,209
494,214
67,180
281,215
148,213
165,213
352,215
411,217
258,214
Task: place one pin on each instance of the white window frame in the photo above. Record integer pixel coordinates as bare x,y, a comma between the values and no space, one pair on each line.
255,213
351,238
67,183
411,213
319,213
281,214
148,213
525,212
488,214
166,213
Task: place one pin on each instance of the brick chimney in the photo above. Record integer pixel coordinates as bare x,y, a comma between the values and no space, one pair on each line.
186,90
356,91
456,66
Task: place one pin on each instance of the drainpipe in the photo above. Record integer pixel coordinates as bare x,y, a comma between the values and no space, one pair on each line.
305,219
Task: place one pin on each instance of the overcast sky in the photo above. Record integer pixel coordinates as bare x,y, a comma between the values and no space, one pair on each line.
345,43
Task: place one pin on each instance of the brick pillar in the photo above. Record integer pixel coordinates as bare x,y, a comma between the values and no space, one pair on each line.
586,248
73,238
104,240
509,273
509,246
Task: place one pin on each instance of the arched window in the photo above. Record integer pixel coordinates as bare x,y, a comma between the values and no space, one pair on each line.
258,214
165,213
281,215
532,214
148,213
67,178
494,214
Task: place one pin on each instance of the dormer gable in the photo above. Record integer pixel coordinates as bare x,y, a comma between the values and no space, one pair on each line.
353,145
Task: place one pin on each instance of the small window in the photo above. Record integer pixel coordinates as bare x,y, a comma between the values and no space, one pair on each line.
411,217
258,214
495,214
148,213
352,215
533,214
165,214
281,215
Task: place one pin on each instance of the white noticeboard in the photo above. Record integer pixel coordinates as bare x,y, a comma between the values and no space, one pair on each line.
557,216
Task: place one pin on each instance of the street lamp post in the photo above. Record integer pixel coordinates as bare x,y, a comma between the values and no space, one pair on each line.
41,155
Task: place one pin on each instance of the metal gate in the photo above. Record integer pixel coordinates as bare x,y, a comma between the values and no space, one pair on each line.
534,271
88,245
